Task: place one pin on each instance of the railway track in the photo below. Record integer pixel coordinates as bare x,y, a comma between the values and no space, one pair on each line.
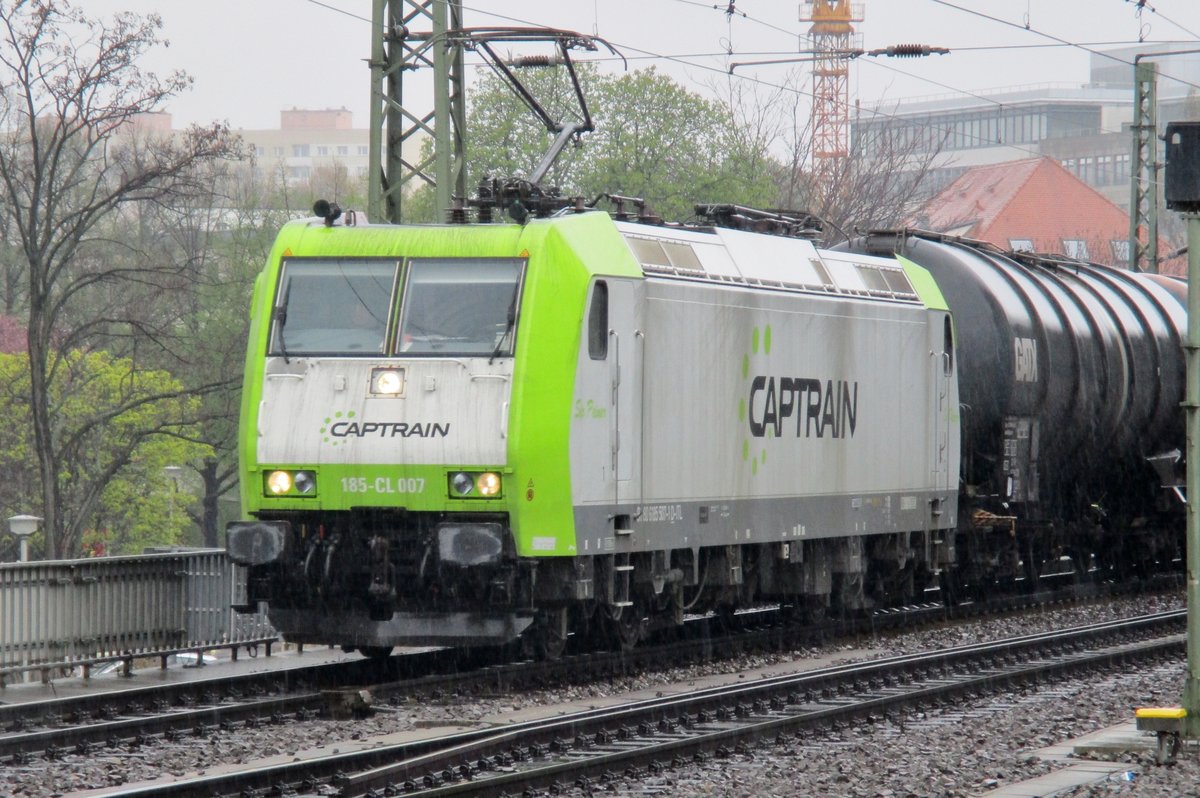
132,713
141,715
587,748
504,678
628,742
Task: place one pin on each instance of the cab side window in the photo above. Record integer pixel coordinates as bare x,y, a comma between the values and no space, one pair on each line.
948,346
598,322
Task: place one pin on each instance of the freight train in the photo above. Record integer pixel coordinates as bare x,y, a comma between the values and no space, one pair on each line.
579,424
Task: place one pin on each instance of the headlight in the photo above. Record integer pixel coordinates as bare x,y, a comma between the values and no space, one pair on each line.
290,483
387,381
279,482
461,484
305,481
477,485
488,484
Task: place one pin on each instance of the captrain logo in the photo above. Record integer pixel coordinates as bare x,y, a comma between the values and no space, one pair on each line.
347,427
774,406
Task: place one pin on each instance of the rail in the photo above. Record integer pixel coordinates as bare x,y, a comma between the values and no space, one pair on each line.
62,614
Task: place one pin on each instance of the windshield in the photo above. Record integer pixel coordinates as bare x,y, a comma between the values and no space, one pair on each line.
335,306
344,306
460,307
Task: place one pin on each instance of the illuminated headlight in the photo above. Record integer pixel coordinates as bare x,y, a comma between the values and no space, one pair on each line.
461,484
279,482
488,484
290,483
485,485
387,381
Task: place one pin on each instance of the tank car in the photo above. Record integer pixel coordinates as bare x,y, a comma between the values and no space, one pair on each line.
1071,380
462,434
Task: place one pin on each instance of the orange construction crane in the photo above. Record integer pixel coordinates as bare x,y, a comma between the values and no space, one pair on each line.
832,36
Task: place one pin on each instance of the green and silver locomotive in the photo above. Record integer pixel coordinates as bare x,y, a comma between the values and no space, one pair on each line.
467,433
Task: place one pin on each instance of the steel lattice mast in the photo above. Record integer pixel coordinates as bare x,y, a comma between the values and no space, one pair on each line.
1143,192
395,50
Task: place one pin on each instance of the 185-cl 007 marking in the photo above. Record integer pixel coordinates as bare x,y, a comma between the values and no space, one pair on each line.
383,485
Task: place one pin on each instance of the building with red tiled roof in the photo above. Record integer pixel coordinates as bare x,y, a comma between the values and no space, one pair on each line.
1033,205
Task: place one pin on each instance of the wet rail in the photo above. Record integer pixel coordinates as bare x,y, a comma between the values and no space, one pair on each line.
587,748
503,678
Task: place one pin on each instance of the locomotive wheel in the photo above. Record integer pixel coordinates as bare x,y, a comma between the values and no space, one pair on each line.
813,611
626,625
891,585
549,637
951,591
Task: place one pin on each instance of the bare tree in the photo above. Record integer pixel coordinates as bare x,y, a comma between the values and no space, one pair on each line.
70,162
884,180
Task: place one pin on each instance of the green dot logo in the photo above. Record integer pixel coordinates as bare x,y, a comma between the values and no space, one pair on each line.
759,339
328,422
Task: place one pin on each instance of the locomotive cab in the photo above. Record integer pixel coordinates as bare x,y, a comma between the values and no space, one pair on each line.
379,446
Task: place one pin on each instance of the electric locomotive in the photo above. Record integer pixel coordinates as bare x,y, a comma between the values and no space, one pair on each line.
469,433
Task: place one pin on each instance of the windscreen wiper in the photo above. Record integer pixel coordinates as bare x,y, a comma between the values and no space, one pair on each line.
512,321
281,313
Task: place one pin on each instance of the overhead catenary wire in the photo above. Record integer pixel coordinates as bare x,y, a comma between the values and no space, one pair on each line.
1143,5
1058,42
937,129
685,60
1051,36
342,11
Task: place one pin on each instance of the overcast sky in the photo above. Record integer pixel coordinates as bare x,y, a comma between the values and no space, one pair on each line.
252,58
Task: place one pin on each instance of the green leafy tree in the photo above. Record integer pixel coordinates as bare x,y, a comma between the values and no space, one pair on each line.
216,330
217,244
72,160
117,428
654,139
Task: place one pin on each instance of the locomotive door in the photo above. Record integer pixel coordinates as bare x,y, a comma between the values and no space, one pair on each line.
627,348
943,365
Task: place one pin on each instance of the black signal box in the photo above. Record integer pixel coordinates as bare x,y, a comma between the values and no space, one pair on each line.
1182,187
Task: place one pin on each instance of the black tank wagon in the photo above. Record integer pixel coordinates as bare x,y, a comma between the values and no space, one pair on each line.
1071,377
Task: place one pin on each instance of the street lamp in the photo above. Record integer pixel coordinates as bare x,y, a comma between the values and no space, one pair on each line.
173,473
22,527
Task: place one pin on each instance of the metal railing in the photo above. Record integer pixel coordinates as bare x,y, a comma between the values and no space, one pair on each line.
65,613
